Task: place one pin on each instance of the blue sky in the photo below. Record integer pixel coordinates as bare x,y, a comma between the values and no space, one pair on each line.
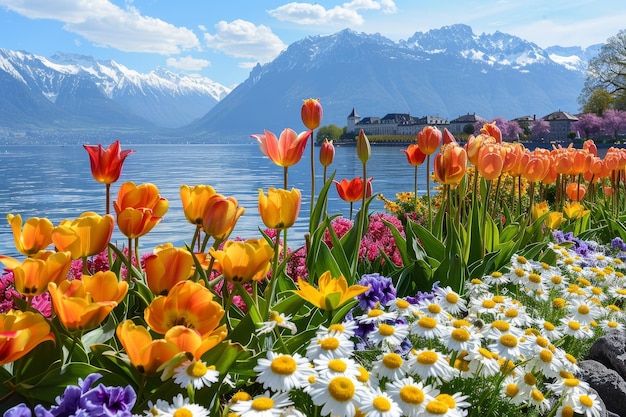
224,39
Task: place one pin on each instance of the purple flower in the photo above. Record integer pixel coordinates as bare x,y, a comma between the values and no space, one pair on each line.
103,401
20,410
381,291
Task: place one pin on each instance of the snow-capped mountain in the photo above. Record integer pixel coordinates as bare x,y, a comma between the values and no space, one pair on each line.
160,98
447,72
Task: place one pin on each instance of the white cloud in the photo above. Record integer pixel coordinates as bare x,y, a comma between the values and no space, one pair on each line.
242,39
106,24
315,14
188,63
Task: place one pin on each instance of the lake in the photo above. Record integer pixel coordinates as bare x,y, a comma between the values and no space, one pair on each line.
55,181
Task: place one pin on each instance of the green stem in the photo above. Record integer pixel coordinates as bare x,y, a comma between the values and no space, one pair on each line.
360,226
137,255
129,260
313,172
85,268
195,238
269,299
430,213
415,188
108,197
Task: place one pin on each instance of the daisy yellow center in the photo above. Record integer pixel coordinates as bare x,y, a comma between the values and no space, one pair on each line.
337,365
485,352
461,323
452,298
284,365
434,308
339,328
613,307
330,343
476,281
197,369
498,299
534,278
537,395
583,309
569,261
411,395
542,341
496,274
241,396
556,279
519,272
511,313
381,404
621,291
577,269
460,335
596,290
571,358
427,358
363,375
508,340
574,325
512,390
427,322
530,379
567,411
400,303
182,412
501,325
521,259
612,324
583,282
392,361
489,303
375,312
437,407
341,389
545,265
586,400
447,399
558,302
262,404
571,382
545,355
386,330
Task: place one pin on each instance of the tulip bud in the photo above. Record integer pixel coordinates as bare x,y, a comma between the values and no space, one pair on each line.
429,139
363,149
327,152
311,113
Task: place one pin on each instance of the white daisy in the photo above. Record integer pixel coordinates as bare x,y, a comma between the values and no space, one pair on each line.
427,327
588,404
506,346
283,372
277,319
338,396
611,326
330,367
265,405
476,287
496,278
379,404
430,363
390,366
574,328
345,329
387,336
180,406
549,330
450,300
483,362
434,310
461,338
515,314
335,346
583,311
376,315
196,373
411,396
539,401
402,307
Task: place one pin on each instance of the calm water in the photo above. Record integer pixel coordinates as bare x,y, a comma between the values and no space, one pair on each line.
55,182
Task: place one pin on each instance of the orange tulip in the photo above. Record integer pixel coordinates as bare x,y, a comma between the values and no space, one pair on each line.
166,267
311,113
536,168
195,200
106,164
581,159
280,208
33,274
414,155
139,208
20,332
522,156
590,146
145,354
489,162
190,340
448,137
575,191
189,304
35,235
327,153
352,190
287,150
429,139
87,235
79,309
243,261
474,144
492,130
450,164
220,216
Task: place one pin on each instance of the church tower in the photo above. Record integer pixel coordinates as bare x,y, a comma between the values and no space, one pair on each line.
353,119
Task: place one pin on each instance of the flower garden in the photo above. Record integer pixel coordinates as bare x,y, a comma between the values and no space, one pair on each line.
477,298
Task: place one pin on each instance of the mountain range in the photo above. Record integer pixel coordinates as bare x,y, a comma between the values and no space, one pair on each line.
447,72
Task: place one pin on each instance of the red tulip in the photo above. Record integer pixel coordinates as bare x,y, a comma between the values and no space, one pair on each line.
414,155
327,153
352,190
106,164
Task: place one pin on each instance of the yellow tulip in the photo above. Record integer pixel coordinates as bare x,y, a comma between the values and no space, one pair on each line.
104,286
280,208
539,210
195,200
33,237
145,354
20,332
77,308
33,274
189,304
574,210
554,220
243,261
87,235
166,267
332,292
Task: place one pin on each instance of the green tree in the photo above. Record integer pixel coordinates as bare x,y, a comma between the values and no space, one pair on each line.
599,101
332,132
607,71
